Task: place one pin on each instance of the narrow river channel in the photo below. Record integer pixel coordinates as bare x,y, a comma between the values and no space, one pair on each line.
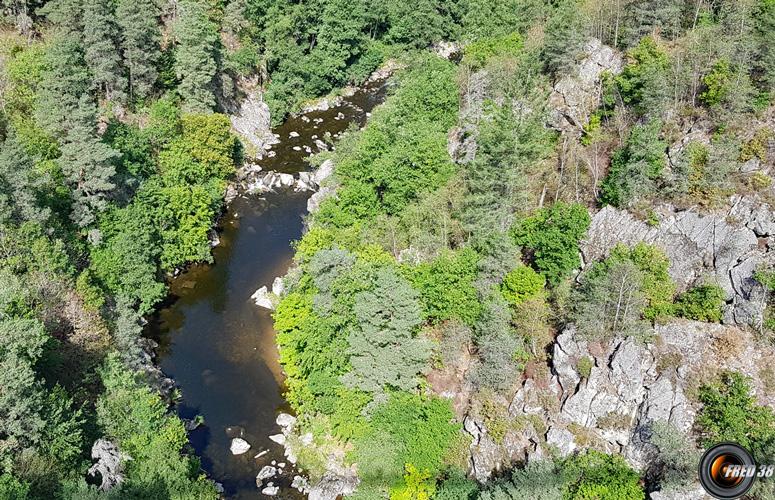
216,344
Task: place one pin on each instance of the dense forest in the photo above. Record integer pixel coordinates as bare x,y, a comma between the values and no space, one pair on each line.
454,235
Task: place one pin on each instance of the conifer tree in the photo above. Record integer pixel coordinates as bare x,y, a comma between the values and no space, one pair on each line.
17,183
86,165
196,65
65,80
67,15
140,35
100,49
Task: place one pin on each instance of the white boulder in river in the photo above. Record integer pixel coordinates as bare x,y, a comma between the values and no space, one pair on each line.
239,446
263,299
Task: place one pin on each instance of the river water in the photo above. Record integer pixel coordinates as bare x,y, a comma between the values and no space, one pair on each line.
216,344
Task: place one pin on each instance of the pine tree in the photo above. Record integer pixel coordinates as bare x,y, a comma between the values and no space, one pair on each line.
643,17
140,37
86,165
196,65
17,184
101,52
67,15
65,80
564,38
383,349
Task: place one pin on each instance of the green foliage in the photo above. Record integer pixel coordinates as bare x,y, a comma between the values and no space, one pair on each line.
730,413
642,82
564,38
140,39
402,153
618,292
550,238
420,429
12,489
522,284
602,477
636,167
456,486
195,57
701,303
100,49
717,83
138,420
384,350
446,287
584,366
478,53
677,456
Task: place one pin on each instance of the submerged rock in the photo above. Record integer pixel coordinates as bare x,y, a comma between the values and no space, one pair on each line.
239,446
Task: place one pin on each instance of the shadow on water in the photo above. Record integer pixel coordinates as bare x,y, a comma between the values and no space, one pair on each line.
215,342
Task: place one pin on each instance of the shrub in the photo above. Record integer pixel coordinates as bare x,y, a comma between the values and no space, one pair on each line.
701,303
551,239
479,52
602,477
522,284
584,366
730,413
446,287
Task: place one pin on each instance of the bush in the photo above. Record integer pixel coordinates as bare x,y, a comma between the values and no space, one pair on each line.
446,287
701,303
479,52
551,239
730,413
602,477
522,284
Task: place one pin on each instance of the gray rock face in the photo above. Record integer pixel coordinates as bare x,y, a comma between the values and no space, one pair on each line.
252,122
109,464
576,96
285,420
724,248
331,486
461,141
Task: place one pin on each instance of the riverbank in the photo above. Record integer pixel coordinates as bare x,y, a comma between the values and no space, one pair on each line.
214,342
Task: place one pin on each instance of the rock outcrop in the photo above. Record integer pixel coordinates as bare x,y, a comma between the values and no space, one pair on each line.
252,121
575,96
722,247
109,464
611,403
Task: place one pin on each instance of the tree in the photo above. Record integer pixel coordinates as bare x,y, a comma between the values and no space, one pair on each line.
22,342
612,304
651,16
551,238
522,284
65,80
18,184
384,349
636,167
86,165
140,37
195,63
564,38
101,51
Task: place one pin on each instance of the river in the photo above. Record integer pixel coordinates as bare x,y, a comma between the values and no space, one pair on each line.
216,344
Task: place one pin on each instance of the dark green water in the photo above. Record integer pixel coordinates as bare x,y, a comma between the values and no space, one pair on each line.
215,342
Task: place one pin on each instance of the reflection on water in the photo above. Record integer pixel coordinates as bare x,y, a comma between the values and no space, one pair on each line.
215,342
